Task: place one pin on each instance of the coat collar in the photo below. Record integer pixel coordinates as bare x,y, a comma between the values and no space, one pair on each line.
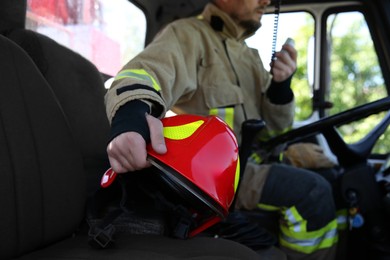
222,22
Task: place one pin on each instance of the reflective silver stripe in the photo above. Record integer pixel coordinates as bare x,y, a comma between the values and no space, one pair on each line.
293,221
331,234
341,220
226,114
140,74
129,74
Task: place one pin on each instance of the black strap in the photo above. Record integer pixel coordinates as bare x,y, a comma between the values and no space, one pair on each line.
101,233
180,219
239,228
101,237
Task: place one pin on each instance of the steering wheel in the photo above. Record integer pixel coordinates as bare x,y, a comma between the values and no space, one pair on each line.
347,154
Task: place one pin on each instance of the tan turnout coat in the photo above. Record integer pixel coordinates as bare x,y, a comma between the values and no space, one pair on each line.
197,69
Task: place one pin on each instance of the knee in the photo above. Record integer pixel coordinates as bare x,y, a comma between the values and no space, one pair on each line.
320,203
322,189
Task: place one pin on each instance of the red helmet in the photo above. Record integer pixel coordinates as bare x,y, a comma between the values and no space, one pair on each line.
201,167
202,163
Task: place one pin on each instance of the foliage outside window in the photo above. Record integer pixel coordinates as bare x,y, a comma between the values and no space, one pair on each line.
356,77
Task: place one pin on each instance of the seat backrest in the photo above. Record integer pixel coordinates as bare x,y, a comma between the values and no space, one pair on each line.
53,131
42,188
79,87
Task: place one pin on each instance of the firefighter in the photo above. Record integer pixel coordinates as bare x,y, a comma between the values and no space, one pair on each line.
201,65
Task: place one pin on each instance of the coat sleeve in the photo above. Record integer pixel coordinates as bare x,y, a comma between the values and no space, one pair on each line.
160,75
279,118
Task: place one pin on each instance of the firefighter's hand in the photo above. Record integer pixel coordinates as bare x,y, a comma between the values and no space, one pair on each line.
127,152
285,64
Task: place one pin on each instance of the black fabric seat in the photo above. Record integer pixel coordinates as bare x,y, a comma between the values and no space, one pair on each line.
42,192
43,183
79,88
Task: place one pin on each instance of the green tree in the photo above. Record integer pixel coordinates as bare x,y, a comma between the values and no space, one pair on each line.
356,77
300,83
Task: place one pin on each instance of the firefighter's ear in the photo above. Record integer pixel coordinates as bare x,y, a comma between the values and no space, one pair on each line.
156,134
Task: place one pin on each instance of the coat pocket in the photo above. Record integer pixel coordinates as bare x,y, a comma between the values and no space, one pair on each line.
218,85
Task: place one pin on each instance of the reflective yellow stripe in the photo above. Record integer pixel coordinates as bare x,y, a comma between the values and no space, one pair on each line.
226,114
270,134
295,220
255,157
237,176
182,131
342,219
309,242
140,74
267,207
294,234
281,157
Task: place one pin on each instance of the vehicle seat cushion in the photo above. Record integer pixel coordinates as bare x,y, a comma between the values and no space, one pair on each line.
148,247
79,87
42,188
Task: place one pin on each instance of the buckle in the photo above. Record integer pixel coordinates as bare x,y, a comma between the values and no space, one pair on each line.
102,238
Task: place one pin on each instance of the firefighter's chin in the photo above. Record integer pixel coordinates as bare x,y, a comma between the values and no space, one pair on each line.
250,25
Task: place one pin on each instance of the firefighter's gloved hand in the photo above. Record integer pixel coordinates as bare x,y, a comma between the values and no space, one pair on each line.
307,155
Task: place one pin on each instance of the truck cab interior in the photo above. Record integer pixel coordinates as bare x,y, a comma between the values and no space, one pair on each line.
54,130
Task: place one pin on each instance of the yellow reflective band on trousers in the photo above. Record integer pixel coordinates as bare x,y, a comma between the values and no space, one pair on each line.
267,207
342,219
294,234
182,131
140,74
226,114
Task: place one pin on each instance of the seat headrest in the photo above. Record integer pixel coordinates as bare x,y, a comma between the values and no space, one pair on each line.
12,14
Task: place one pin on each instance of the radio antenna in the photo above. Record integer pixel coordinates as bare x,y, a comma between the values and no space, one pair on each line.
275,32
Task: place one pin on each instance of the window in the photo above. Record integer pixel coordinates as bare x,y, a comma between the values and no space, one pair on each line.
106,32
355,74
355,71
